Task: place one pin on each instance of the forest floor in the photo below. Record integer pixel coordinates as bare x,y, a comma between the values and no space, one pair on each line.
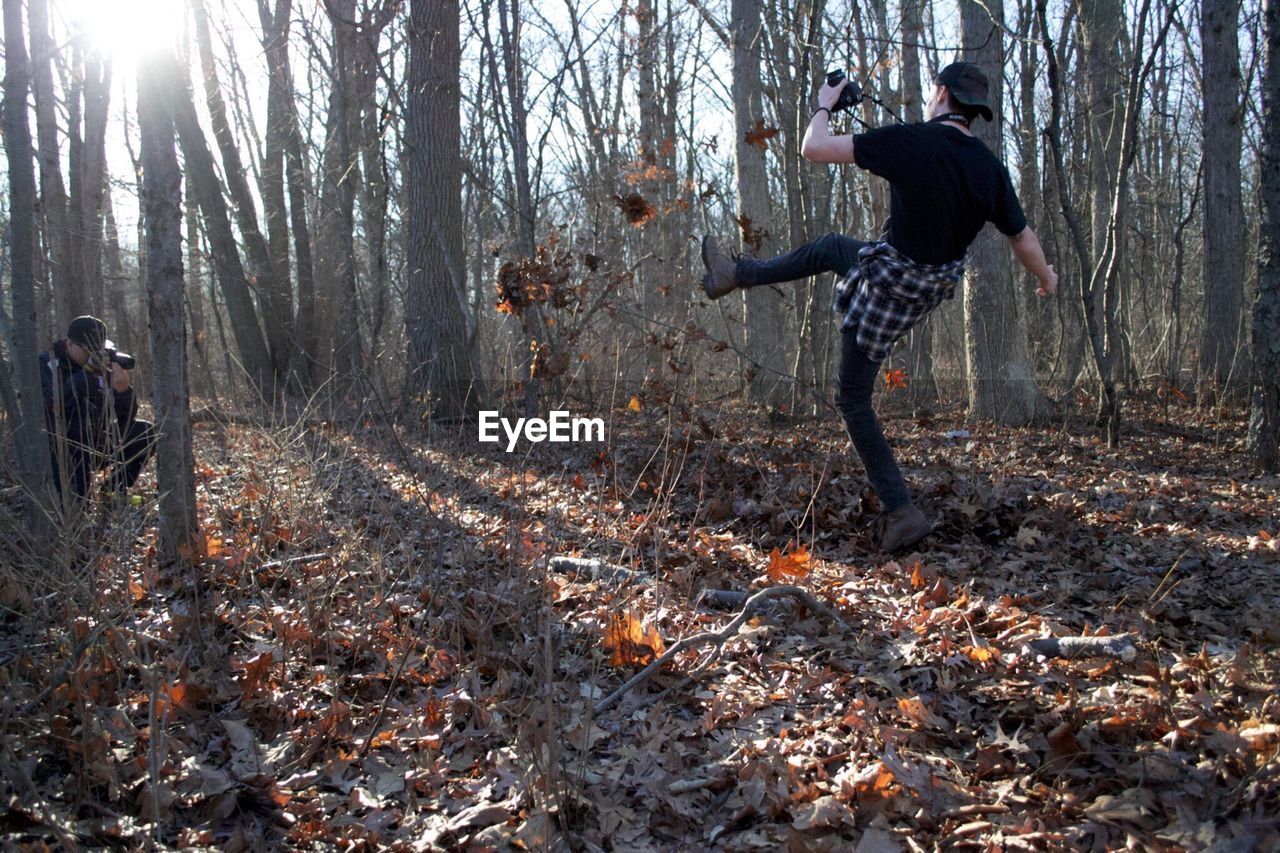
376,650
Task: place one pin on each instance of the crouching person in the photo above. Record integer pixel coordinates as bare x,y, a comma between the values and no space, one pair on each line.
91,412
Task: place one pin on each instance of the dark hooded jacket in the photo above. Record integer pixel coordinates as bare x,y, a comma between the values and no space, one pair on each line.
78,398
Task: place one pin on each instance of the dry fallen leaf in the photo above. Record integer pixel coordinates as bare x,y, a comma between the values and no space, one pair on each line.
630,641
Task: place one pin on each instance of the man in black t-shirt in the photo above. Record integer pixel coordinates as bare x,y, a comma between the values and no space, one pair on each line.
945,185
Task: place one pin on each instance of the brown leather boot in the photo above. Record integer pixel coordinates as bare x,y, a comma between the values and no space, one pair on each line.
904,527
720,279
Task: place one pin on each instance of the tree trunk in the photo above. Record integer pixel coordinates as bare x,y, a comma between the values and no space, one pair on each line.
274,292
53,192
162,198
755,211
204,185
92,182
441,377
1264,416
1222,366
923,385
30,443
335,251
1001,384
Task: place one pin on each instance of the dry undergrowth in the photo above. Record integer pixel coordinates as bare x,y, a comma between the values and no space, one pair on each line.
375,653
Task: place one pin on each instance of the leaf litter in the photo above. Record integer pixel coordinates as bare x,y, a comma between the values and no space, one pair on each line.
424,679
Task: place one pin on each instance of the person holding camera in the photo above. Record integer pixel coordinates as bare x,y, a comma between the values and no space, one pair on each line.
945,185
85,379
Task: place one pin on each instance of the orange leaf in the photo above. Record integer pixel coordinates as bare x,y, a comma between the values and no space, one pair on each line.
760,135
981,654
255,672
797,564
634,405
918,580
895,379
629,640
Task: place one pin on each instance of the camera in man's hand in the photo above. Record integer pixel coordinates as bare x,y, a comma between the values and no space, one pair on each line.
849,95
100,362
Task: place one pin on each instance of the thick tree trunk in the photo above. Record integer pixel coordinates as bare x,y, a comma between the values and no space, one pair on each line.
1001,384
30,443
1222,361
1264,416
442,377
755,211
158,81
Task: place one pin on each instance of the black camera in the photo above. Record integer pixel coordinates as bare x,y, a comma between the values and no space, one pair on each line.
849,95
100,362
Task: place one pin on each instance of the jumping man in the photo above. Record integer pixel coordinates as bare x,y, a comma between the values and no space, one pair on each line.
945,185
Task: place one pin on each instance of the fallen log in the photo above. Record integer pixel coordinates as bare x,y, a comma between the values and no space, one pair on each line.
1118,646
749,608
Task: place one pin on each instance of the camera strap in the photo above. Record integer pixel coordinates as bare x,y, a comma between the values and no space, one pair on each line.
958,118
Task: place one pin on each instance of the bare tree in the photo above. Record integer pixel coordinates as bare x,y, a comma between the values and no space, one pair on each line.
28,429
441,374
1264,417
1224,255
162,200
758,233
1002,386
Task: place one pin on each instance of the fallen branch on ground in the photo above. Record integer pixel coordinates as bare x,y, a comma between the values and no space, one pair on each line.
1119,646
719,638
596,570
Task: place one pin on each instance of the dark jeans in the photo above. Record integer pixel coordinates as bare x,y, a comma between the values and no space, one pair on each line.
837,253
125,463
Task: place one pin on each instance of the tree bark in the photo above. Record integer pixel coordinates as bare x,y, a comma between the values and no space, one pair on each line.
158,80
204,185
30,444
923,385
442,379
53,192
1222,366
1264,415
339,307
1001,384
756,227
274,291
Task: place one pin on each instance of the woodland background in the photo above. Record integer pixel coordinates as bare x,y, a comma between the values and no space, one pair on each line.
333,231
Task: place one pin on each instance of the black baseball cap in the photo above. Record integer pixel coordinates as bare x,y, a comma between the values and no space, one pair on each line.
89,332
968,85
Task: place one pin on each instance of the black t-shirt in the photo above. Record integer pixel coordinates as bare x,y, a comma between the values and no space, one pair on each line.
945,185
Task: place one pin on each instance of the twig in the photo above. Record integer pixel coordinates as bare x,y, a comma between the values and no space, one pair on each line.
753,604
382,709
1119,646
290,561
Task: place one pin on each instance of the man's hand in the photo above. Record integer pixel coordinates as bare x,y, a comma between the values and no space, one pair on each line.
828,95
119,377
1048,283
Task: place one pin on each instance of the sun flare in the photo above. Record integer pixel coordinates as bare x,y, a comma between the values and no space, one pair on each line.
129,30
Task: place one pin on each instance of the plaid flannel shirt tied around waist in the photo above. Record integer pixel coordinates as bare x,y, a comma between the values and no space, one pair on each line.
886,293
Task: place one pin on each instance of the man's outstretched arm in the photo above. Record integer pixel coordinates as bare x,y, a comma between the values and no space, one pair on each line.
1026,248
819,146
